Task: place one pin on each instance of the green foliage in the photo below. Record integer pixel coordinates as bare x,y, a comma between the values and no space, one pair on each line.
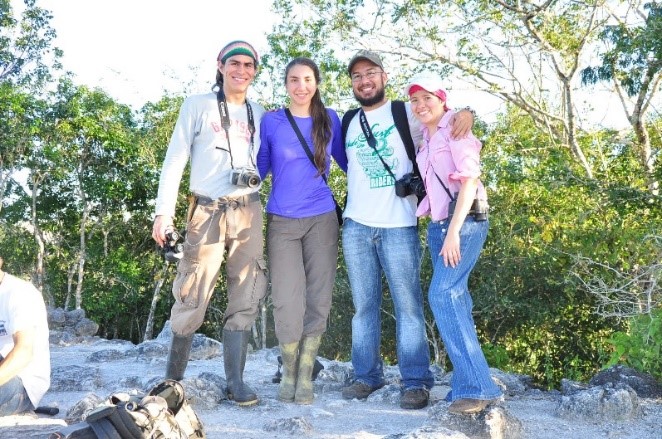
640,344
633,55
27,58
497,356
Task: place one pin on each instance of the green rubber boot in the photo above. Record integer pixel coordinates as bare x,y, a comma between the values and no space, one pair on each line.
180,348
235,344
290,354
307,354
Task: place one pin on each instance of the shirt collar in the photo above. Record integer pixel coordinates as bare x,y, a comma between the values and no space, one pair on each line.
443,123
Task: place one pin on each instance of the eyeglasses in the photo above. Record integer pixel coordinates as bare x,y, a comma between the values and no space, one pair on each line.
370,74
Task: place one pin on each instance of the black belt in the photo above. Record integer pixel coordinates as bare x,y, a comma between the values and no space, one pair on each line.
224,202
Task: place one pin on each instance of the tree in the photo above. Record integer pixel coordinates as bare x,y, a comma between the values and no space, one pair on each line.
26,55
94,161
26,62
526,53
632,63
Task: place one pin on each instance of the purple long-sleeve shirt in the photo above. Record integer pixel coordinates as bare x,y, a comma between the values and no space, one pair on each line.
296,189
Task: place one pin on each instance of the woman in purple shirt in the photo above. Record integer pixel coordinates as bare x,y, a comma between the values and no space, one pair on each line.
302,226
456,201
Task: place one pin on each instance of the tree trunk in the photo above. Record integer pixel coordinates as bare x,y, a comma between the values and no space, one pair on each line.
149,327
36,231
70,282
81,255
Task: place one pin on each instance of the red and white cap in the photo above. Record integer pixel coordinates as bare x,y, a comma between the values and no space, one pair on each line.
431,83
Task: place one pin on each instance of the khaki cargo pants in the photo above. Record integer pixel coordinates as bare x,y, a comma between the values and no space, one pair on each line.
226,226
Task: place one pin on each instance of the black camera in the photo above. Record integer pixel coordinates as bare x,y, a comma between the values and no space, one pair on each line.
410,184
478,209
245,177
173,248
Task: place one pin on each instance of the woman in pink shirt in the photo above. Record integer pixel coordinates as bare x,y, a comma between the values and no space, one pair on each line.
456,201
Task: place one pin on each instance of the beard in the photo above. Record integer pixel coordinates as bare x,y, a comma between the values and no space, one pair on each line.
369,102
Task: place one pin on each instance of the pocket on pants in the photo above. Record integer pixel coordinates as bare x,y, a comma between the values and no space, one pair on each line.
185,288
327,230
260,280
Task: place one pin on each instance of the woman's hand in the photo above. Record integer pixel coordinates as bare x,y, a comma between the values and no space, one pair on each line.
450,251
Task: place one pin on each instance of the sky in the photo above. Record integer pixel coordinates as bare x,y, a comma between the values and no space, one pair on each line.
135,49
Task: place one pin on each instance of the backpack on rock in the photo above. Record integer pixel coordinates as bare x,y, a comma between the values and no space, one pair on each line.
164,413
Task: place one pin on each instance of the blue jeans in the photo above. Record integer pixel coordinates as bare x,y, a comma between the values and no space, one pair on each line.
397,252
451,305
13,398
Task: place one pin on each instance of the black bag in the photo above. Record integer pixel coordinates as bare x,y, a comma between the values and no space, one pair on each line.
339,211
164,413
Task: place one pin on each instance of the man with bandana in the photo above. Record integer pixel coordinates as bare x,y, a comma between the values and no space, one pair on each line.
218,133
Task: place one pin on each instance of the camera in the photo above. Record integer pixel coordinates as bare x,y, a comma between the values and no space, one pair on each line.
245,177
478,209
173,248
410,184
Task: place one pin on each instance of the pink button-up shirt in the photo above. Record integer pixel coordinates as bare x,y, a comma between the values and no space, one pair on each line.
453,160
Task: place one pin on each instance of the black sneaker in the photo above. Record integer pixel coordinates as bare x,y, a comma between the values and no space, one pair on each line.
414,399
358,390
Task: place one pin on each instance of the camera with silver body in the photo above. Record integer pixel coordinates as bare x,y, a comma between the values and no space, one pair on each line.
245,177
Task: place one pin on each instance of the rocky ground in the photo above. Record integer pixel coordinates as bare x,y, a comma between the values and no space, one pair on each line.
86,370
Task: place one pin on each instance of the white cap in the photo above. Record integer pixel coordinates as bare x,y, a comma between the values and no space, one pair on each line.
427,81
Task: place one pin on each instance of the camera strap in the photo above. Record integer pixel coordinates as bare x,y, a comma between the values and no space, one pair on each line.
372,142
309,153
435,174
302,140
443,185
226,123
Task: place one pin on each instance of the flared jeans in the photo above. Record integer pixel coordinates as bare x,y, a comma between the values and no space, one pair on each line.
451,305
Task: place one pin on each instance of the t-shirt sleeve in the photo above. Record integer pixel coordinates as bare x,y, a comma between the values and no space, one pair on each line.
22,311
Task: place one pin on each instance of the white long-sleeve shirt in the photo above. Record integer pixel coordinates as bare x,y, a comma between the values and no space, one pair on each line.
199,136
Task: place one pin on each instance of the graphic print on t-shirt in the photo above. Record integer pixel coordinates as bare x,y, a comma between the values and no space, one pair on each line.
372,166
239,132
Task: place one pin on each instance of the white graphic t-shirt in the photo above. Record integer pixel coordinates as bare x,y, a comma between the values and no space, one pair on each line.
371,198
21,308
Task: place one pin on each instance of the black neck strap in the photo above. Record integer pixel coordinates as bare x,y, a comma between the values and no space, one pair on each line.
226,123
303,142
372,142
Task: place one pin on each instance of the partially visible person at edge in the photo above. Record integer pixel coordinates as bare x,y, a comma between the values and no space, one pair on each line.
456,234
25,363
302,225
224,215
380,235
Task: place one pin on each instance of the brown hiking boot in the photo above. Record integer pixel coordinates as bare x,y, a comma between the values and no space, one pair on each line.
358,390
467,406
414,399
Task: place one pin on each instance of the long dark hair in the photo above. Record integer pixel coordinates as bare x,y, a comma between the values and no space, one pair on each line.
321,120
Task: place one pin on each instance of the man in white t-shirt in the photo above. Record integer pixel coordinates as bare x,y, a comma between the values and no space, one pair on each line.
25,365
380,235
